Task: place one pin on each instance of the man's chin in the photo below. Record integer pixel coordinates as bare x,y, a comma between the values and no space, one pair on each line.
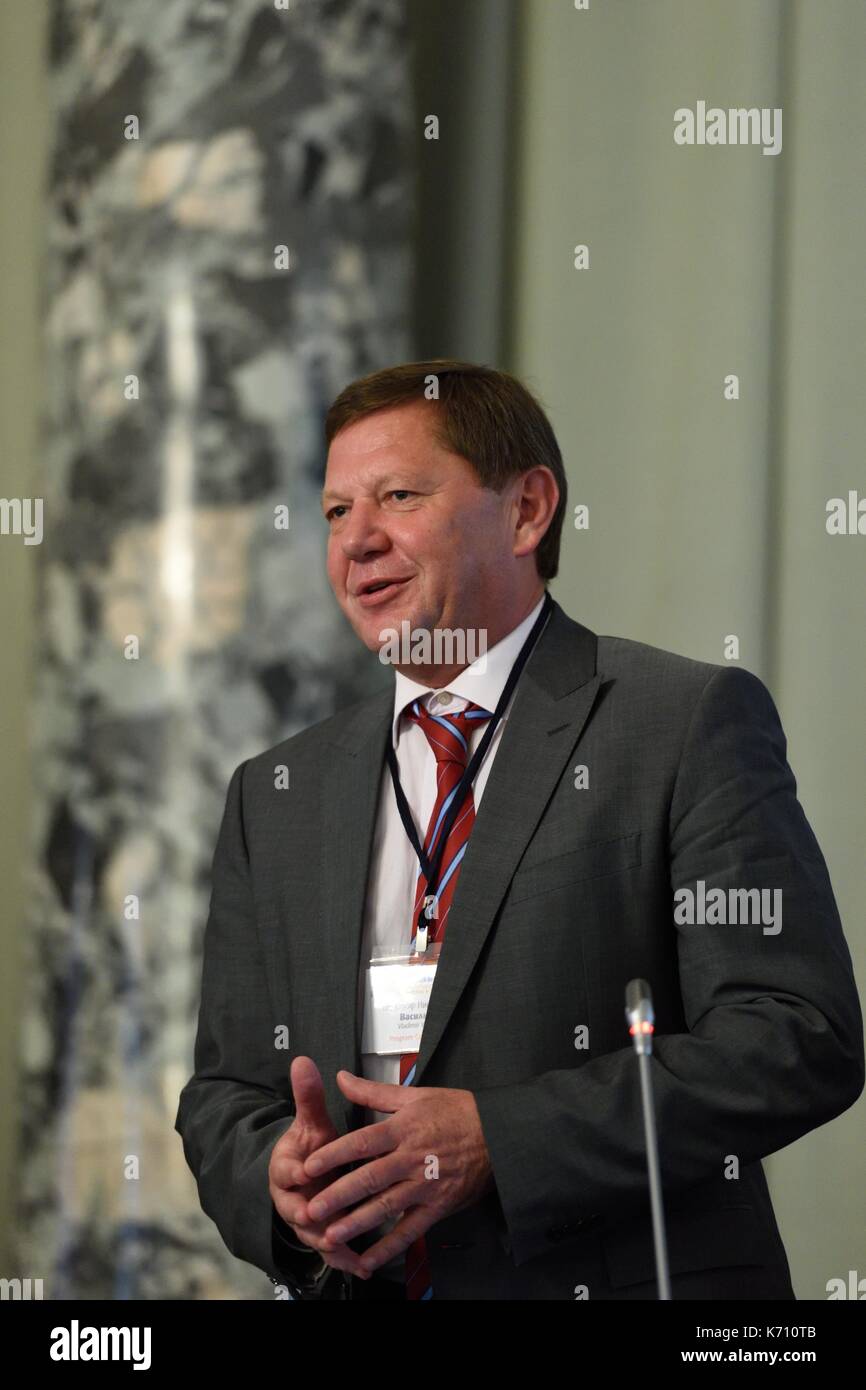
374,629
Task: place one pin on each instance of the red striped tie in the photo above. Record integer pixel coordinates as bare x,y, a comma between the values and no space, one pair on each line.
449,737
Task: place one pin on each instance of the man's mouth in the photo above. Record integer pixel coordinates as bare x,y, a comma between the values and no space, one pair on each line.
377,591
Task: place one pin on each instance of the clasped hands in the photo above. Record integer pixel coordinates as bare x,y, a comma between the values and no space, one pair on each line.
426,1160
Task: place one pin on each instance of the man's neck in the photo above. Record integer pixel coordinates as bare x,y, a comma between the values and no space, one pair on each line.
438,677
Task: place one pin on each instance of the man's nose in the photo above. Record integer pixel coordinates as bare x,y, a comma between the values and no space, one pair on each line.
363,533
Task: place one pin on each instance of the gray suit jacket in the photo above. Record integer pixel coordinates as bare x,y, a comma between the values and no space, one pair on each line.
564,895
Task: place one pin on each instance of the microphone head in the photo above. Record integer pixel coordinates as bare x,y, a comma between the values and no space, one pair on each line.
639,1014
636,993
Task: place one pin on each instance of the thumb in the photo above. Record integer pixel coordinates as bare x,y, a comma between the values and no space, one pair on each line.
309,1093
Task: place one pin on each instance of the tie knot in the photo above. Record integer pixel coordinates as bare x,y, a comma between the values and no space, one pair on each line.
448,734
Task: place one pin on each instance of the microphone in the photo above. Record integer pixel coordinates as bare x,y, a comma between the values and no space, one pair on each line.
639,1015
641,1026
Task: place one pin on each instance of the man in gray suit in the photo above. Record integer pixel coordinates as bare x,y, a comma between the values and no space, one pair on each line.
633,815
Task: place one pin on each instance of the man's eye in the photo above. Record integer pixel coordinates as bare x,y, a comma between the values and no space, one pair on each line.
401,492
330,514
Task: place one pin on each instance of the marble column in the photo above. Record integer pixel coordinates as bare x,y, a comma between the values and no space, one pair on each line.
228,217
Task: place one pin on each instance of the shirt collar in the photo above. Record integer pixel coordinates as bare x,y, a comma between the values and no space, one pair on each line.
482,687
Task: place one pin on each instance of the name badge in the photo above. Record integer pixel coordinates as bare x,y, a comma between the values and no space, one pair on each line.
395,1005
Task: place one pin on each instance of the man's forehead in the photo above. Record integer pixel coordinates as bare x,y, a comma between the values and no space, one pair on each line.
367,460
397,469
400,428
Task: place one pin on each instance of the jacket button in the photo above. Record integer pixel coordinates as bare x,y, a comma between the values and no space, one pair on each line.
557,1233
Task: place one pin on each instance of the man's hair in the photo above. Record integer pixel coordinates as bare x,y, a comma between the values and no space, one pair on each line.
486,416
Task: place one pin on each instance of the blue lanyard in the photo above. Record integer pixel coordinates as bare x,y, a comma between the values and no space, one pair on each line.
431,868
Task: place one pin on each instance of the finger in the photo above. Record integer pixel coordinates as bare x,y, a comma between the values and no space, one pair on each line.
345,1259
364,1143
413,1224
287,1172
296,1175
336,1255
383,1207
376,1095
354,1187
292,1207
309,1093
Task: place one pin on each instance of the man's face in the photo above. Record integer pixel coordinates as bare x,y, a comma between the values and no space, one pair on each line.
402,508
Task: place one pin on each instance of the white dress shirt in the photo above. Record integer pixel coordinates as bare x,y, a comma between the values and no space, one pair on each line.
394,863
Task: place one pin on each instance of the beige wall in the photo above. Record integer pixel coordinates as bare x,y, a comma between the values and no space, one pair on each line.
707,516
23,134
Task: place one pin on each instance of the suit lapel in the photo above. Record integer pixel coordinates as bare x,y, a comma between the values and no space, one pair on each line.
352,777
552,703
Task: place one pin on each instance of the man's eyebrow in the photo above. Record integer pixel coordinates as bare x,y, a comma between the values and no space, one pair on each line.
328,495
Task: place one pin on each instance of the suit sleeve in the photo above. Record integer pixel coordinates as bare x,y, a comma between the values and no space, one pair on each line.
774,1046
238,1102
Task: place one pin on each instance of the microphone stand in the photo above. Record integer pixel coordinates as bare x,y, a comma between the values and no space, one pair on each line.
641,1020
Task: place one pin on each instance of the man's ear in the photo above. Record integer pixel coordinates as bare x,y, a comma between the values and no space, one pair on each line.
533,488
